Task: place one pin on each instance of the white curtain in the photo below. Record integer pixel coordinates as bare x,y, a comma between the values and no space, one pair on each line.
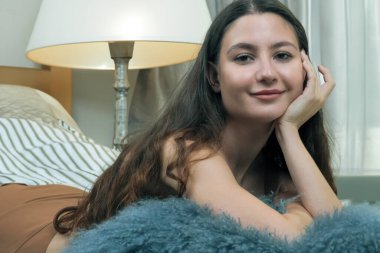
350,40
345,36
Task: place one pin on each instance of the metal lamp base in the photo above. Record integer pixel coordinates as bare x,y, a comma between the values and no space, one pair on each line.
121,53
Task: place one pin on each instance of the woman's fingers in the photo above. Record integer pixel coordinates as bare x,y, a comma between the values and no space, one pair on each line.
313,84
311,74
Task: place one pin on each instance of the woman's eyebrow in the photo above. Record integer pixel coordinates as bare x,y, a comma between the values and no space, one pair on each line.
242,45
283,44
251,47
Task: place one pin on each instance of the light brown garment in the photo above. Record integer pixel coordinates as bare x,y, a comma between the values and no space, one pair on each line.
27,213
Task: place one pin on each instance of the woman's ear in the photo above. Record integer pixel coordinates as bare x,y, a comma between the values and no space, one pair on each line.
212,77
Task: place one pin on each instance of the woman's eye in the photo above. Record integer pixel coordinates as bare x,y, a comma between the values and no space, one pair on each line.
283,56
243,58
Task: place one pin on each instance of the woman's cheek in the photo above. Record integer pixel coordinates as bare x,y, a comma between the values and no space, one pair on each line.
295,77
301,78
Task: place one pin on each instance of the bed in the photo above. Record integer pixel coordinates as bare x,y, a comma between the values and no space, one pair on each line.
40,143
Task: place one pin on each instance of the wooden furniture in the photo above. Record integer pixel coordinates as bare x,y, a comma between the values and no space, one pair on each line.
54,81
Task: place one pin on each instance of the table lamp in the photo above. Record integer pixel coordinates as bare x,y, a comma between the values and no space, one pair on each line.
118,34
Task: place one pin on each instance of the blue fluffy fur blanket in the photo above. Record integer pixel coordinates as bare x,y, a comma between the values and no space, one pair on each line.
179,225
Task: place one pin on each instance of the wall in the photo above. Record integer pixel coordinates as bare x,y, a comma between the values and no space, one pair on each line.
16,24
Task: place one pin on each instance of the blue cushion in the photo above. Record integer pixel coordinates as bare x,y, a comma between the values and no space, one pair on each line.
179,225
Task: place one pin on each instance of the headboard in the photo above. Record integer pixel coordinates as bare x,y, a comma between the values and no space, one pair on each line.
54,81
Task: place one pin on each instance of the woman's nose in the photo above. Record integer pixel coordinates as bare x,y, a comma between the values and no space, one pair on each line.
265,72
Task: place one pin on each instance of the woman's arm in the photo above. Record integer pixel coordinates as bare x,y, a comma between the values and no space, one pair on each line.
212,183
316,194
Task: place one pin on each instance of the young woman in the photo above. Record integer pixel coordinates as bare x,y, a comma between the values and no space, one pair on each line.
245,122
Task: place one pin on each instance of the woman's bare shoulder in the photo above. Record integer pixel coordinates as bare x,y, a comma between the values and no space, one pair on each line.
197,158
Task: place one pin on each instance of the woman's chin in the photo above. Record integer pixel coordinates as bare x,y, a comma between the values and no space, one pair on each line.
260,117
268,117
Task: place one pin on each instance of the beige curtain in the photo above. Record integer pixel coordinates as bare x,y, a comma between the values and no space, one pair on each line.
152,89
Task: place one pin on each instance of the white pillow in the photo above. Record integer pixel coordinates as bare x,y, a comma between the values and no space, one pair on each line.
27,103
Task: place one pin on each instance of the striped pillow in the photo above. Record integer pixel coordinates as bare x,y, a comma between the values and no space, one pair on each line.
38,153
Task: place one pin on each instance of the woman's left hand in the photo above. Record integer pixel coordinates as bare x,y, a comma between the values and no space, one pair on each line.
313,97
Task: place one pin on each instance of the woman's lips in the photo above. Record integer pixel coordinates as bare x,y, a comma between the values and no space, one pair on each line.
267,94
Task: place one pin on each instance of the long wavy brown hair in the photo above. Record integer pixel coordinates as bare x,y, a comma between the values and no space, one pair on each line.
195,113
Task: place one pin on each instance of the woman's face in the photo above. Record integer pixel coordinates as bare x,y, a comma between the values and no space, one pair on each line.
259,72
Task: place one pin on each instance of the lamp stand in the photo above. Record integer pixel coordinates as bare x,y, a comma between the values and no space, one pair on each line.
121,53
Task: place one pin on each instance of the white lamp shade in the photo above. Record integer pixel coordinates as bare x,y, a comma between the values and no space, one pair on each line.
76,33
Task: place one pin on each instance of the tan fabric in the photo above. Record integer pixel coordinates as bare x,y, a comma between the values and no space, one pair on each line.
27,212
